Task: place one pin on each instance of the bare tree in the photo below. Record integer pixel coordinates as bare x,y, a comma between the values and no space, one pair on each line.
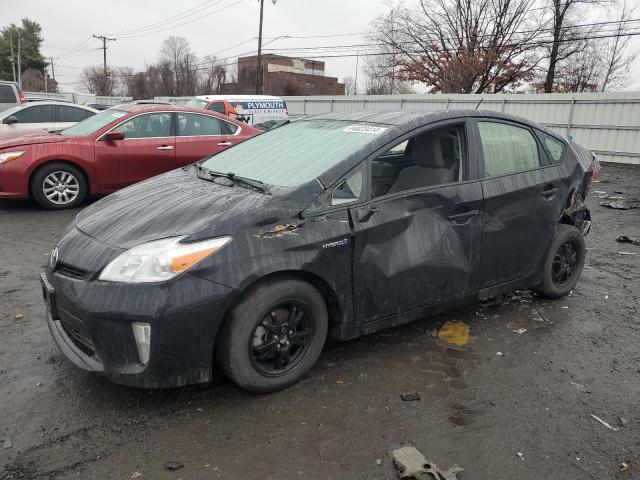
97,82
176,54
382,77
617,58
213,76
349,86
460,46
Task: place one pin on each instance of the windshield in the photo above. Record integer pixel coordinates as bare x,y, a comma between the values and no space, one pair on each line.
296,153
196,103
92,124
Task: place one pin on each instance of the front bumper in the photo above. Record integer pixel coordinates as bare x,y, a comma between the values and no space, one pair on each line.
91,323
14,178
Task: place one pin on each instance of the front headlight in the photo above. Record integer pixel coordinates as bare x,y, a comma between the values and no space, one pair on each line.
9,156
159,260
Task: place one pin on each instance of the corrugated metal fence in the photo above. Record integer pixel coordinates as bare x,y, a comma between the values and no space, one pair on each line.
81,98
606,123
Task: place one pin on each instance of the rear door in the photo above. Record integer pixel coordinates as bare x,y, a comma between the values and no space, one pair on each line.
523,198
419,245
199,136
148,149
33,117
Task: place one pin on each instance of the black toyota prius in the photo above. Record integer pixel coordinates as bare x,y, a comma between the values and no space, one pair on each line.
334,225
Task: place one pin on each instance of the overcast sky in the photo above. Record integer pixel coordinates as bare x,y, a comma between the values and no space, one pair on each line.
213,27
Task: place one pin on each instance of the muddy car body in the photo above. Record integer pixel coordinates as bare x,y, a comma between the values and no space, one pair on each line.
342,244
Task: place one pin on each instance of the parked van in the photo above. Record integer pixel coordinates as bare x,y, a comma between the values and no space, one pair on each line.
250,109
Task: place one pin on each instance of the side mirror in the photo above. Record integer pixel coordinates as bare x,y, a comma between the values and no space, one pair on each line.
113,136
9,120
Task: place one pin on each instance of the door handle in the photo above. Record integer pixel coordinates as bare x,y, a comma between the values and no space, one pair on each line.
463,216
224,144
365,214
165,147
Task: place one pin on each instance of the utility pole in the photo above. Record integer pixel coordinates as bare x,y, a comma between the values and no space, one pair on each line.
19,63
259,62
13,58
53,72
355,82
44,70
104,49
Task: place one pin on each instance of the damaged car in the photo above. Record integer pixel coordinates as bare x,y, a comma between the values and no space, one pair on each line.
335,225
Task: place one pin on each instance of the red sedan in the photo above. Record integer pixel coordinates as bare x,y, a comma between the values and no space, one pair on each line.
111,150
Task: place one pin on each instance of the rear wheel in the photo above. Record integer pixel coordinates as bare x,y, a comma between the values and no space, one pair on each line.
564,262
58,185
273,336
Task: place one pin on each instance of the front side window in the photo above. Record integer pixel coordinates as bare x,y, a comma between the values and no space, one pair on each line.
149,125
194,125
348,190
507,149
554,147
295,153
72,114
36,114
429,159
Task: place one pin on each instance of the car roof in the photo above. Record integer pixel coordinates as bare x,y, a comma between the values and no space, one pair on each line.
154,107
55,102
409,119
210,98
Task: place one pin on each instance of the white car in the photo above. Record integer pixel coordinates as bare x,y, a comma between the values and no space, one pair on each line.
250,109
43,116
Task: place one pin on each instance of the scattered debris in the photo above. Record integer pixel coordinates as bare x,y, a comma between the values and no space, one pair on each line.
622,203
173,466
606,297
378,461
624,467
501,354
520,455
410,463
627,253
623,421
339,382
19,316
628,239
454,333
39,384
520,331
7,443
579,386
604,423
135,474
410,397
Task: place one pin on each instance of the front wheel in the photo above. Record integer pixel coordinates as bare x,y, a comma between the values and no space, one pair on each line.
58,185
274,335
564,262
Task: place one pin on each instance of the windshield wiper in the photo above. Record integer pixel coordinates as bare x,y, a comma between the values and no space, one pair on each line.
248,182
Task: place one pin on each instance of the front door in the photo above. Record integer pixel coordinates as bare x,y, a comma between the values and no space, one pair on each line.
419,243
523,199
147,150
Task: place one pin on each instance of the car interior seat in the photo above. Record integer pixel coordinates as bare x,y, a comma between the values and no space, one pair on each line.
435,163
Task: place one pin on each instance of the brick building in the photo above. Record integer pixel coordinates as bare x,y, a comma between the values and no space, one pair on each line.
284,76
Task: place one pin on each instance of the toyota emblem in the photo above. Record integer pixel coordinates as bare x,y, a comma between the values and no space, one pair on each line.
53,259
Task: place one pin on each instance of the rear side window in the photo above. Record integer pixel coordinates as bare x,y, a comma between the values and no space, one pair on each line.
191,124
72,114
554,147
7,94
507,149
217,107
36,114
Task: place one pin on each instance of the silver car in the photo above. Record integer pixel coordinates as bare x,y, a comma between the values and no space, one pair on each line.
10,95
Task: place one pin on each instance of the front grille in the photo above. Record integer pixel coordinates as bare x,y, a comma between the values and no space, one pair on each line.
80,340
69,271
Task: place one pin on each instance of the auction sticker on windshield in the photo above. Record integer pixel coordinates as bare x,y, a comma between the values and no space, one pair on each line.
364,129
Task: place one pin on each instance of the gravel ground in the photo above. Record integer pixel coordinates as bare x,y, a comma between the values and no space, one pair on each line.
525,414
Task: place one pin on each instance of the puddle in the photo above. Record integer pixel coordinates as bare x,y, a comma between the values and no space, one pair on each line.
454,334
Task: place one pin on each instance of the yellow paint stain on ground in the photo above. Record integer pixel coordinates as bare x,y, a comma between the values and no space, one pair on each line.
454,333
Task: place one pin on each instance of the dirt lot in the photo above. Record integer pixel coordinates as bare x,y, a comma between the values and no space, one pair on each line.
579,356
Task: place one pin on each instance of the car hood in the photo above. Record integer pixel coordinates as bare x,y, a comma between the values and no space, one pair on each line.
173,204
29,138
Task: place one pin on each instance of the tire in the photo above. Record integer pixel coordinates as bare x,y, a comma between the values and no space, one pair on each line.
562,268
58,185
261,323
